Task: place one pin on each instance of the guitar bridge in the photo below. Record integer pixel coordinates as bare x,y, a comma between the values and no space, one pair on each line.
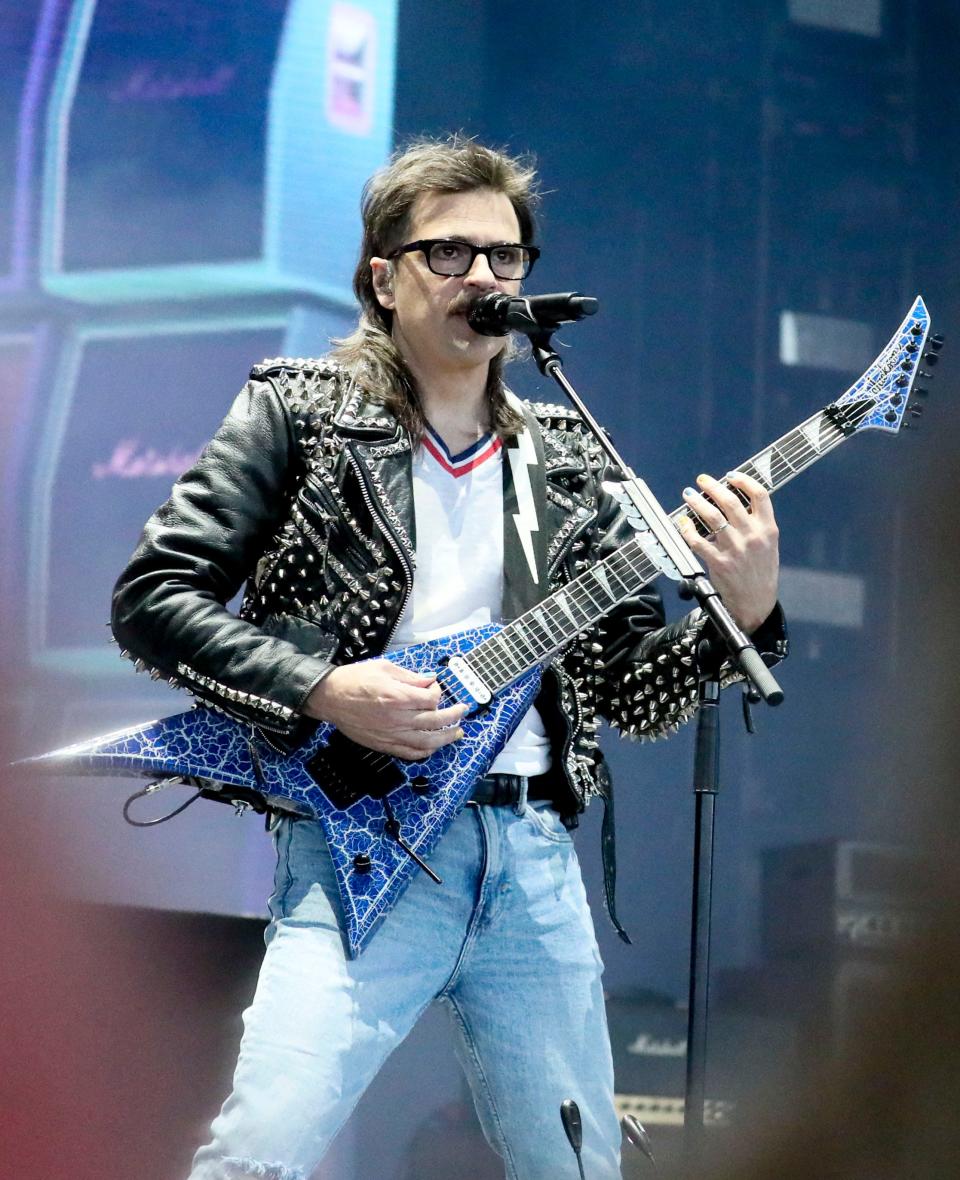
346,771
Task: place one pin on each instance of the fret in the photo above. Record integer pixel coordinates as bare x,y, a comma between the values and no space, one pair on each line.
561,600
560,618
536,629
811,432
576,608
804,453
758,468
780,466
788,456
624,585
519,635
600,575
797,444
586,589
639,568
540,614
493,662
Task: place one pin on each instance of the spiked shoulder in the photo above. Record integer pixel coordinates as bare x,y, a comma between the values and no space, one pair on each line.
314,366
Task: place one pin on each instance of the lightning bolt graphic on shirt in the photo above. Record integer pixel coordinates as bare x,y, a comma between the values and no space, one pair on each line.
522,457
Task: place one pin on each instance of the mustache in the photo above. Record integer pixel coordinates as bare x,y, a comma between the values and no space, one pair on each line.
461,303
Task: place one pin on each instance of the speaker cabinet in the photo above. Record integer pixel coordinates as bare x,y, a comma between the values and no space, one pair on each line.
199,149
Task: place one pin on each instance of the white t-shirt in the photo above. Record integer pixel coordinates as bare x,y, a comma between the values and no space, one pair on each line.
458,502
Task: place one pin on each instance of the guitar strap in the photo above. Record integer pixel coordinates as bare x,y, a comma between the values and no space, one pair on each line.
524,518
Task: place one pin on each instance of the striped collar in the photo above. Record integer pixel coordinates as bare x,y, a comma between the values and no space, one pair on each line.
457,465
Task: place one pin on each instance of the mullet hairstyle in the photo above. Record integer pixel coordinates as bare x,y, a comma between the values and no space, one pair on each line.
455,165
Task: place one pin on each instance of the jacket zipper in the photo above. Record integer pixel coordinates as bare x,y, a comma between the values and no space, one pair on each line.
570,730
570,542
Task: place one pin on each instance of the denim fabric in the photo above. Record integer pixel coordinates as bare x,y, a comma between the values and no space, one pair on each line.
506,944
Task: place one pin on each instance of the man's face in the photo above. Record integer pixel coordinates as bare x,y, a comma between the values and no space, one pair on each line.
429,310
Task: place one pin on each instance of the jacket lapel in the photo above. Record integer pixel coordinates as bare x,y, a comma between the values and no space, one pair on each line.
375,439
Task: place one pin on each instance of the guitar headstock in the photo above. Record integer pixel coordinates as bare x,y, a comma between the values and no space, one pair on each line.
880,398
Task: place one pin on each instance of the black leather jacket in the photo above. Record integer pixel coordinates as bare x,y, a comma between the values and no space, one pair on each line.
305,495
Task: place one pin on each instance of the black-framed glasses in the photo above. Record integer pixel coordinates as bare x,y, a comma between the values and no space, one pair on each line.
451,258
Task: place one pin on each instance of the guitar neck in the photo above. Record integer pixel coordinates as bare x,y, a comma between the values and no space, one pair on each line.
547,627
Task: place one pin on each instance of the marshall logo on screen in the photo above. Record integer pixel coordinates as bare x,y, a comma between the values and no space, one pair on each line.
148,83
131,459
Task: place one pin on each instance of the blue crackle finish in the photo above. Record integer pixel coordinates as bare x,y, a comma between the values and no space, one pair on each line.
203,744
890,379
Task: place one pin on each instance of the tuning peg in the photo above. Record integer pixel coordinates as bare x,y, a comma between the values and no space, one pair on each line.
921,391
923,375
916,411
936,342
931,357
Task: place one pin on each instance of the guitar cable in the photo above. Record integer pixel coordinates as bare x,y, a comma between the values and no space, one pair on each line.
152,789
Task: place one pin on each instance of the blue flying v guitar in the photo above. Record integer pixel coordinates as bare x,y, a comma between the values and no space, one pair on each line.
382,817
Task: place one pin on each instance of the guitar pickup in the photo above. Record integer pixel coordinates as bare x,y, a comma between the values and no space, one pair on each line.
469,681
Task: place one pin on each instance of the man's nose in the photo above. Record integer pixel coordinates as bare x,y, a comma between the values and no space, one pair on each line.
480,274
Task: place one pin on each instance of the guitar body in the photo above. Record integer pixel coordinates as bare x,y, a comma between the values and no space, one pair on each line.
346,788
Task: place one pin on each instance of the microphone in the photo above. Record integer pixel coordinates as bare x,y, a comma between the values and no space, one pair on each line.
570,1116
496,314
635,1132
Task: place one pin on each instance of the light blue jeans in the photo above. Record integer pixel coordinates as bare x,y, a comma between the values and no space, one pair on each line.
506,943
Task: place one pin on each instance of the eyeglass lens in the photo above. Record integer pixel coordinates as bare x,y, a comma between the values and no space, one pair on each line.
456,258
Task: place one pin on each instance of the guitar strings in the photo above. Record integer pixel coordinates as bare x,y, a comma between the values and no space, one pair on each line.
794,449
586,595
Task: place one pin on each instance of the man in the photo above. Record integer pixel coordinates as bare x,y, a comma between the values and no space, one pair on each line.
393,493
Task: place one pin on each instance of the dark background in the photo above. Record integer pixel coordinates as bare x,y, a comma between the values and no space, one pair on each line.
706,170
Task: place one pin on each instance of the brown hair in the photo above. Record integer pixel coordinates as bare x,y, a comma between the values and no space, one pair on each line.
454,165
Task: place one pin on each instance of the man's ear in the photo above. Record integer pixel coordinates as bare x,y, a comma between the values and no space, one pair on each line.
381,270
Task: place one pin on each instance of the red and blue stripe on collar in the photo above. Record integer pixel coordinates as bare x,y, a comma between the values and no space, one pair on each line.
457,465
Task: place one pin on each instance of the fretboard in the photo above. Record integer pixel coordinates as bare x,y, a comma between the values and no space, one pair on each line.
558,619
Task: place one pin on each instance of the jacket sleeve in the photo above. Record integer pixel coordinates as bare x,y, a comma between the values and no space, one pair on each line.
169,605
647,671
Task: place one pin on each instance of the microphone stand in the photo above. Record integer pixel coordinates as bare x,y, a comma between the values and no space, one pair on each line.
676,560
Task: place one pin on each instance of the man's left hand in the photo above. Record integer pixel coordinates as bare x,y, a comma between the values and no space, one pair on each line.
741,554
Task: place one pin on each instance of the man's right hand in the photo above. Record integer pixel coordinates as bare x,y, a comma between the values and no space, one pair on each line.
384,707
